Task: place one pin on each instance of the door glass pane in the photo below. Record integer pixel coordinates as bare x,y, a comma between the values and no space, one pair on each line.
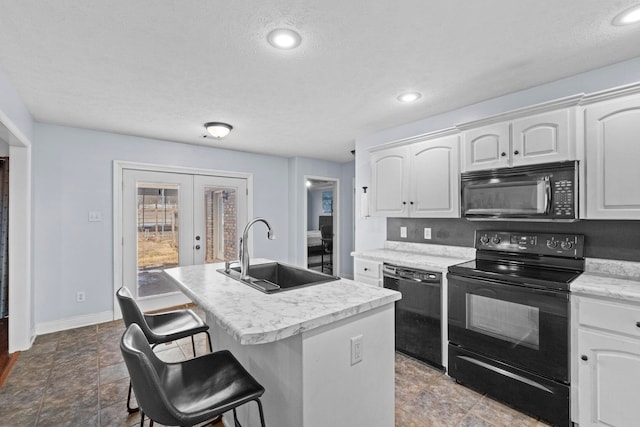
221,224
509,321
157,227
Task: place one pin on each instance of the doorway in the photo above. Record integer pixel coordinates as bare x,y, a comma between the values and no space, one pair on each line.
4,265
172,219
322,224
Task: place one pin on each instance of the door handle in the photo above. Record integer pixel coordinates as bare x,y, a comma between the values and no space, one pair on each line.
198,247
197,237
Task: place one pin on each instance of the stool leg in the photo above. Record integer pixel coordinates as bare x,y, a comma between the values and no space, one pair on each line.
261,413
193,345
141,419
129,408
209,341
235,419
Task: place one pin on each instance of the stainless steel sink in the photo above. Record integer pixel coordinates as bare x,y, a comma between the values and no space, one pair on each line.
275,277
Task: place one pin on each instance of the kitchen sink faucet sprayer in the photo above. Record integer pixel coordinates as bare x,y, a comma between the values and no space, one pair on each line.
244,252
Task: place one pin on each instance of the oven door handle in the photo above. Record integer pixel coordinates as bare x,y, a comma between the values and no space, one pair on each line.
504,372
547,199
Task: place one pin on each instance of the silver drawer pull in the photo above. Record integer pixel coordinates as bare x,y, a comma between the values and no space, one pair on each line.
584,357
366,269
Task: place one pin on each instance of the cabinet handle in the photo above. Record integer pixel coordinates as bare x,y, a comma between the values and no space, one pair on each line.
410,203
503,154
638,324
584,357
366,269
516,152
404,203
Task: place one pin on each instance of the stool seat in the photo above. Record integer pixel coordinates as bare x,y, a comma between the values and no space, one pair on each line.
173,325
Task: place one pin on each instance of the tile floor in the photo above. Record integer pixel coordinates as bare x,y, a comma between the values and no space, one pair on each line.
78,378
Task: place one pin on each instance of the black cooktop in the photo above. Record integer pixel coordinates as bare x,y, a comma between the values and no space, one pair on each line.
517,274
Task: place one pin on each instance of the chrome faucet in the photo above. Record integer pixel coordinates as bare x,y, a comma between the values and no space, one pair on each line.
244,252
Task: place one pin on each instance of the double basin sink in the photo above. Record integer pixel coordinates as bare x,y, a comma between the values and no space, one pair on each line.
276,277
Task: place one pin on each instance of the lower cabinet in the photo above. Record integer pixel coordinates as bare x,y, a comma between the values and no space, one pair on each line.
608,363
367,271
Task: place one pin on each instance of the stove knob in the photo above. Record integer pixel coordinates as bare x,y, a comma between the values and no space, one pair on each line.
566,245
552,244
495,240
484,240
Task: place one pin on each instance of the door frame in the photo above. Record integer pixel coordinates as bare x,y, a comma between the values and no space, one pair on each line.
118,167
336,220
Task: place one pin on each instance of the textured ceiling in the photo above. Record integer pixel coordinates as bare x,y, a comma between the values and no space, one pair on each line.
161,69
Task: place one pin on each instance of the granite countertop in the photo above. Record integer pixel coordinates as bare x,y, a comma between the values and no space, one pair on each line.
418,255
609,278
253,317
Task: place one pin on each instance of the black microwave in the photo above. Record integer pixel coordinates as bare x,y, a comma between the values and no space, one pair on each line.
544,192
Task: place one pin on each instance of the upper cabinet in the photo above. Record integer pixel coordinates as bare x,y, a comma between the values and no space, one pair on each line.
612,151
419,178
524,137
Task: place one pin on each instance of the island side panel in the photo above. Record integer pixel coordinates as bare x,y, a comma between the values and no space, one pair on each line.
337,393
278,367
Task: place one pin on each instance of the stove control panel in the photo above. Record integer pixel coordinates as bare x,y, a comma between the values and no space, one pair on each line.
555,244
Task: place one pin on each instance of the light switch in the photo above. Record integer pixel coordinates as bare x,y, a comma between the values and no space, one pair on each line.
95,216
403,232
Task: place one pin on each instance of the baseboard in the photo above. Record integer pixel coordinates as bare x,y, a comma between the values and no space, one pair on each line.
73,322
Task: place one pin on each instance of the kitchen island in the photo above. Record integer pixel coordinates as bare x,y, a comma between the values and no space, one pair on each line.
298,344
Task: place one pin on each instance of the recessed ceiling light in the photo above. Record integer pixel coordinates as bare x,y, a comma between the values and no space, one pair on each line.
409,97
284,38
629,16
218,129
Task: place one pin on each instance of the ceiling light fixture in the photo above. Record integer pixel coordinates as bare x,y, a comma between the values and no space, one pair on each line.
218,129
283,38
629,16
409,97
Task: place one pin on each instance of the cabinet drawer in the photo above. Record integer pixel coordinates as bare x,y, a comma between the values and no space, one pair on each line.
369,280
367,268
618,318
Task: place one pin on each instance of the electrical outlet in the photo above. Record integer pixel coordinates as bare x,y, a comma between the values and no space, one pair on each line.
80,297
427,233
356,349
95,216
403,232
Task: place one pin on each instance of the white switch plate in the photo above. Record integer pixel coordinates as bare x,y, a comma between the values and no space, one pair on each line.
427,233
95,216
403,232
80,297
356,349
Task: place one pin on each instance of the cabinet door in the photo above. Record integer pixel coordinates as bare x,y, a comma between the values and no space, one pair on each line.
486,147
612,153
434,189
542,138
609,379
389,192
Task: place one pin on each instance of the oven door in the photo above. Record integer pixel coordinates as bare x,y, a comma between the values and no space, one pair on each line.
517,325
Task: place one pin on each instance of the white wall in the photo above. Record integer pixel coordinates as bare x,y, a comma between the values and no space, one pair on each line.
371,232
299,169
72,175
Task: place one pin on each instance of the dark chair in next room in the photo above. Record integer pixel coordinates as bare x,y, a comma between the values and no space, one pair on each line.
190,392
160,328
326,231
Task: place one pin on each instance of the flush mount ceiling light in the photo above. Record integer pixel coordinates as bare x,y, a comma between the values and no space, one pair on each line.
409,97
283,38
629,16
218,129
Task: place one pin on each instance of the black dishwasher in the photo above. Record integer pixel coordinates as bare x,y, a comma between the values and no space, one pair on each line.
418,313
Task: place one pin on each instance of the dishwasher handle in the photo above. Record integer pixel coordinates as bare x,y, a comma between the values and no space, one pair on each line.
403,273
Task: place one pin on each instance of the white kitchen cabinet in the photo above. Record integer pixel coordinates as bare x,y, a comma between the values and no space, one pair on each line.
417,179
612,155
537,138
608,363
367,271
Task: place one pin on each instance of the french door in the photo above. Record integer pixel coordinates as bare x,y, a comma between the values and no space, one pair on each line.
176,219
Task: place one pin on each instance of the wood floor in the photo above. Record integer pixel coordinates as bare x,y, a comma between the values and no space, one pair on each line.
78,378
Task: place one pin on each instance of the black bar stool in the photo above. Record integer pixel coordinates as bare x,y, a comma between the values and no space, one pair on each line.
190,392
160,328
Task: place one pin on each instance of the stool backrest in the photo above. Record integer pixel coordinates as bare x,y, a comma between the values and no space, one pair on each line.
131,313
145,371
